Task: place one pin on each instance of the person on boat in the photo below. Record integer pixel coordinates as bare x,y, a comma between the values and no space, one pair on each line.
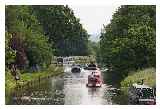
92,64
92,75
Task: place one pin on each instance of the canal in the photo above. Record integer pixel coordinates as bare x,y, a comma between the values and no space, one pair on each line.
66,89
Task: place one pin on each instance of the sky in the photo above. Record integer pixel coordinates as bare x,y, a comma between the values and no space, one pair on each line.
93,17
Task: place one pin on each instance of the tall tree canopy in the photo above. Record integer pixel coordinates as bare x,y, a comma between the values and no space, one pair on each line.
129,41
63,29
35,33
27,38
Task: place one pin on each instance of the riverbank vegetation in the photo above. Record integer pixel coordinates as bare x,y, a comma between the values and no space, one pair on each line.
148,75
26,77
128,43
37,34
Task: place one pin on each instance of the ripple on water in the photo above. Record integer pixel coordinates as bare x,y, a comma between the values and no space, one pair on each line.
69,88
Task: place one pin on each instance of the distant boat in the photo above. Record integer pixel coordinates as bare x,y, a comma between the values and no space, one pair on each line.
75,69
92,66
65,60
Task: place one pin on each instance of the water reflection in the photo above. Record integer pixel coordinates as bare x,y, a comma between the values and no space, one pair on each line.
68,89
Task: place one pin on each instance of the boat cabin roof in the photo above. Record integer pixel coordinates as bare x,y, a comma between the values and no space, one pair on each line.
140,86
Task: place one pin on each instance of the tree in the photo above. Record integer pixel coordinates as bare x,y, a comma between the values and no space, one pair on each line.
10,54
128,42
63,29
28,40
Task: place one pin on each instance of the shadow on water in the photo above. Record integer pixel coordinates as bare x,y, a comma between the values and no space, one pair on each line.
120,96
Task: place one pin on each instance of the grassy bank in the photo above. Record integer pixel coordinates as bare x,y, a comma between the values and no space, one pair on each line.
26,77
149,76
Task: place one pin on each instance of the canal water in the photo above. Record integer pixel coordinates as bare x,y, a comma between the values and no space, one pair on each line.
67,89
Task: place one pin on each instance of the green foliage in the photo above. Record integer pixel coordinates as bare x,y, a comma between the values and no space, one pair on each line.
63,29
10,54
149,76
39,32
129,41
38,50
32,47
94,50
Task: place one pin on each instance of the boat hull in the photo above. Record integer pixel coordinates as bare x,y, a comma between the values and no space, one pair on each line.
93,85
